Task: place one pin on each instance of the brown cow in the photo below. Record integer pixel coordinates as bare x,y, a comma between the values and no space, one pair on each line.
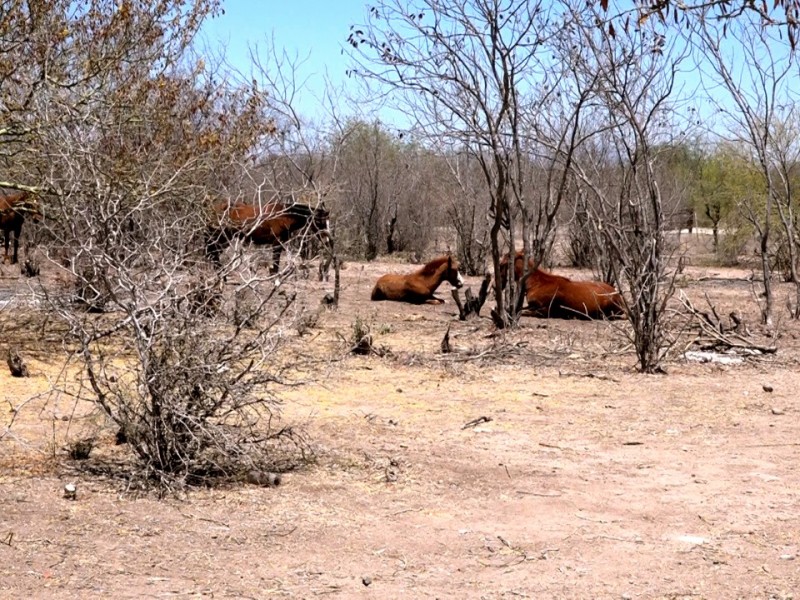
15,206
271,224
418,287
556,297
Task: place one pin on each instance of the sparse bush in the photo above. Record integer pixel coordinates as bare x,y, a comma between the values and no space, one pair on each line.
360,338
135,137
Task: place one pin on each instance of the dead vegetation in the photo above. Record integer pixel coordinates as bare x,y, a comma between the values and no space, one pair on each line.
712,333
477,447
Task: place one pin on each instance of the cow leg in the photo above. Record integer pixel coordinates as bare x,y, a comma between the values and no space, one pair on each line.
7,240
276,259
215,246
17,231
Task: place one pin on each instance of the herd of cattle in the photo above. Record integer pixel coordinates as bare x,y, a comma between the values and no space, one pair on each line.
274,224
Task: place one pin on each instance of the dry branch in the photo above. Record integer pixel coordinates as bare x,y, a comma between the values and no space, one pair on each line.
476,422
712,334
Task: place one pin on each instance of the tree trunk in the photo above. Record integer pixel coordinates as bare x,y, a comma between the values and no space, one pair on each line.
391,228
766,311
716,236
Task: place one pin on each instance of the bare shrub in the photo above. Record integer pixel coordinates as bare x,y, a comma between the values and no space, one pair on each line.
386,201
580,249
186,370
135,139
361,338
633,85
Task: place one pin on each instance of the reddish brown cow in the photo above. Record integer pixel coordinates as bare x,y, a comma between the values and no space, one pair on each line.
15,206
418,287
556,297
271,224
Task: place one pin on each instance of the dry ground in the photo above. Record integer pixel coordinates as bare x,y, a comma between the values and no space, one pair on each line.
590,480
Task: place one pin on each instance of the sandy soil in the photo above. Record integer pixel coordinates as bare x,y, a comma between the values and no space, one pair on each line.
589,481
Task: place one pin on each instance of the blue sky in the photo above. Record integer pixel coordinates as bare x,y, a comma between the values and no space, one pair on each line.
314,30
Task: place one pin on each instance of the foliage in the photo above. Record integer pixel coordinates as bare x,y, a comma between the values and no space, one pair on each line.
726,185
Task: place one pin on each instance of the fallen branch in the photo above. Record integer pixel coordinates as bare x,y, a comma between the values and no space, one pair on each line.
588,375
476,422
721,337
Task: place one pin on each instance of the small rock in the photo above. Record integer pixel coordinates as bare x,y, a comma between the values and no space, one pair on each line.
366,580
70,491
391,474
777,411
787,557
767,388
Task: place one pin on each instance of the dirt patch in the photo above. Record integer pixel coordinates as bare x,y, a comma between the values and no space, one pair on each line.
588,481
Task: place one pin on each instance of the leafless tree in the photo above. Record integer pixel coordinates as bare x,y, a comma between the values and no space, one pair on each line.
468,211
761,98
633,77
784,153
459,69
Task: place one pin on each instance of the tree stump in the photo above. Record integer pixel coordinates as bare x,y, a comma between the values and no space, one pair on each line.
471,307
16,365
30,268
738,324
363,347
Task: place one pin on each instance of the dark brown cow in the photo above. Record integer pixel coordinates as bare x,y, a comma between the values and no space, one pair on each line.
556,297
15,206
271,224
418,287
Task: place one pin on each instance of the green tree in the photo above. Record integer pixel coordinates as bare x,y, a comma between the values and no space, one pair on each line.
724,186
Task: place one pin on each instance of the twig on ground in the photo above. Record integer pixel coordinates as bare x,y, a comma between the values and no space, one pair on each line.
476,422
713,335
589,375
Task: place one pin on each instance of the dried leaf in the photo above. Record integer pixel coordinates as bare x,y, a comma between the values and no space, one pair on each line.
604,5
